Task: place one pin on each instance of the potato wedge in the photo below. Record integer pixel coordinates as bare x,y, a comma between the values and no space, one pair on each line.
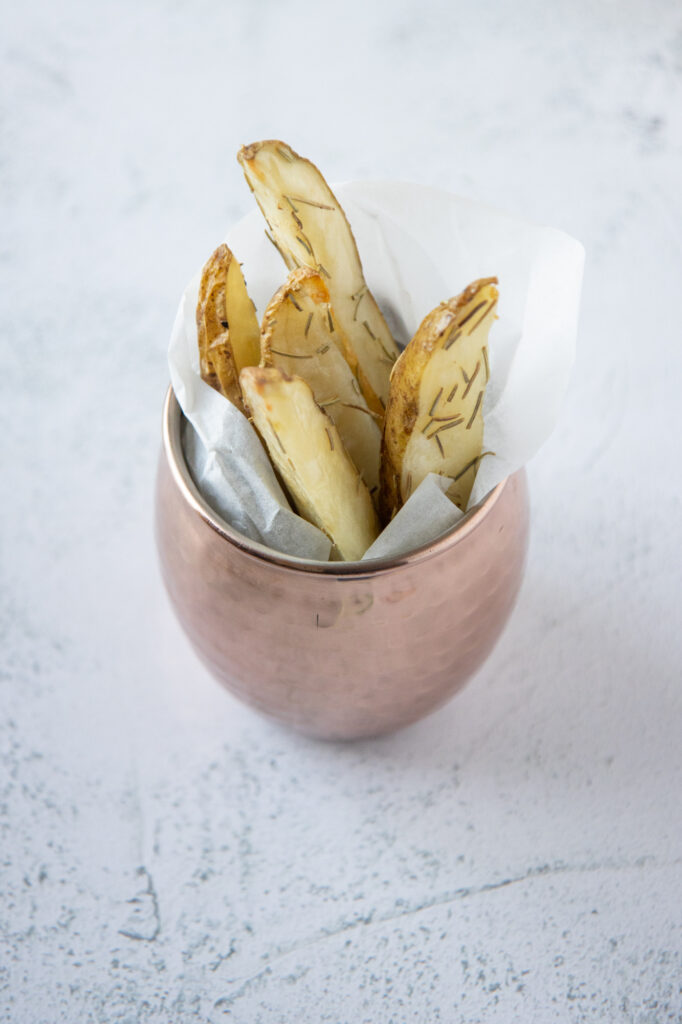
434,419
300,336
310,229
227,325
306,449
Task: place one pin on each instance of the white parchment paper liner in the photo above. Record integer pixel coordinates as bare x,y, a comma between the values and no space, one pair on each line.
418,246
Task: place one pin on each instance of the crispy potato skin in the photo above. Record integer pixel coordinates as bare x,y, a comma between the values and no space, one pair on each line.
219,372
300,335
309,228
306,449
227,327
435,400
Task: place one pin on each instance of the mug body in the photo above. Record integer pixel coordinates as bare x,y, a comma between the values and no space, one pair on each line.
338,650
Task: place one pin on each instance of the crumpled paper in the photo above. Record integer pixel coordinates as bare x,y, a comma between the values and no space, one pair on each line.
418,246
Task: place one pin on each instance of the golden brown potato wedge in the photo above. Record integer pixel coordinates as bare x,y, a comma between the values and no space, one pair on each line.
227,326
434,419
306,449
299,335
310,229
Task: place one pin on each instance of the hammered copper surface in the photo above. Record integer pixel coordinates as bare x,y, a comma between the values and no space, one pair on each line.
338,651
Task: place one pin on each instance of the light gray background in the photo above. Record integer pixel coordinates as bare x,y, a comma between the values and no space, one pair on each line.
165,855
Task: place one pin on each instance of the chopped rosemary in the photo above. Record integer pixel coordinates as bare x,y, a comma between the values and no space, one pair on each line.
472,313
311,202
294,214
467,468
451,340
445,426
476,408
471,379
451,421
435,403
482,318
308,323
360,408
290,355
357,298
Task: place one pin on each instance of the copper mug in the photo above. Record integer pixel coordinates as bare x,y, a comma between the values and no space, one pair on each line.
338,650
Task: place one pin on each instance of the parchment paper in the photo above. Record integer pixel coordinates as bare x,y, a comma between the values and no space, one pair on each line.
418,246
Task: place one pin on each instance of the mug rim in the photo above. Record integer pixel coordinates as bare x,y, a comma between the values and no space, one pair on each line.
173,418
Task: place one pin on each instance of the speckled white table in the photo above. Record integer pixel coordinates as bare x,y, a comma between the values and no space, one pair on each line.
166,855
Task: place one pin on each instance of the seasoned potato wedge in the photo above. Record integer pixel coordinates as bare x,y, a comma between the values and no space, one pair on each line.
227,326
305,446
300,336
310,229
434,419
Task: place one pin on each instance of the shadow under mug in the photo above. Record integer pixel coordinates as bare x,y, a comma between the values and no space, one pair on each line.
338,650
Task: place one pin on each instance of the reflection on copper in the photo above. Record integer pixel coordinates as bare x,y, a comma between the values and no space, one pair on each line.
338,650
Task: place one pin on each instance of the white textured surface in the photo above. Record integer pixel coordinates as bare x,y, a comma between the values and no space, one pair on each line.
519,855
